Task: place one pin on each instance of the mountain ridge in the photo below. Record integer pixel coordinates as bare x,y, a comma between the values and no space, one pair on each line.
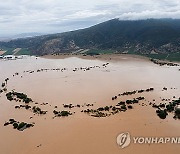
139,36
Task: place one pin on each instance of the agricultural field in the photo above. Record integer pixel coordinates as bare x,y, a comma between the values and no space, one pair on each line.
16,51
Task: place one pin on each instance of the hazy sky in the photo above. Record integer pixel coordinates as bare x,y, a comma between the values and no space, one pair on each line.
52,16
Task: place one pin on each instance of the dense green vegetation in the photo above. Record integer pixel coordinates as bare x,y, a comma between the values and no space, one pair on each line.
62,113
162,113
164,109
170,57
38,110
18,96
18,125
160,56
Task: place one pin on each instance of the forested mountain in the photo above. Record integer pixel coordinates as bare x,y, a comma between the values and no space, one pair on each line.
143,36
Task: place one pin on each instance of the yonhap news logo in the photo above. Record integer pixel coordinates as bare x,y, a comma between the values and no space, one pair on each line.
124,140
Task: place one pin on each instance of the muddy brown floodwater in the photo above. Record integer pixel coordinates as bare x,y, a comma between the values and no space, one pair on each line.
81,133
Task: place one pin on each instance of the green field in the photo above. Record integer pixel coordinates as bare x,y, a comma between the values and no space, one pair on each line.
9,51
23,52
174,57
97,52
169,57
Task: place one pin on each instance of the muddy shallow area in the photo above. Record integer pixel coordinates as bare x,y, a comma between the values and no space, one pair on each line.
50,83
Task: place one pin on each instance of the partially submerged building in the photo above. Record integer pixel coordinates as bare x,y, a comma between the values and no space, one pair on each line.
10,57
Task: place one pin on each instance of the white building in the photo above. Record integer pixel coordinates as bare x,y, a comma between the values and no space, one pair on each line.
10,57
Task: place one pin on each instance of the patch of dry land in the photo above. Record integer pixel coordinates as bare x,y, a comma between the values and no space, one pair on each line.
79,105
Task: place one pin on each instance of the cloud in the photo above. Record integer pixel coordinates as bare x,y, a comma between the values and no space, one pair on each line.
149,14
87,13
53,16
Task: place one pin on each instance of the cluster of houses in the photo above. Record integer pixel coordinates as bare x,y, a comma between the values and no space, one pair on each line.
11,57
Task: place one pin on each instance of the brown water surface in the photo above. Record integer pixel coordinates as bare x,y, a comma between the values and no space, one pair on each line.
80,133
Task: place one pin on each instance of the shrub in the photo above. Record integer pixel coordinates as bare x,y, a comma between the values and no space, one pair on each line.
130,107
135,101
162,105
6,123
65,113
123,107
55,112
27,100
128,101
106,108
3,84
29,125
9,96
162,114
15,125
114,108
100,109
121,103
21,125
177,113
170,107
